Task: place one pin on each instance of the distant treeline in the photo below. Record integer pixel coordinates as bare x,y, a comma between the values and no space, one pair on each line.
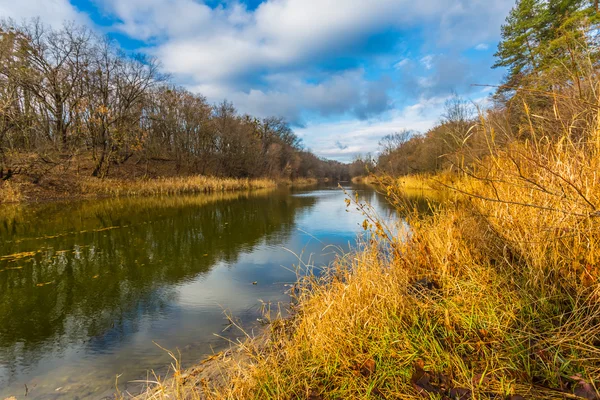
551,50
68,93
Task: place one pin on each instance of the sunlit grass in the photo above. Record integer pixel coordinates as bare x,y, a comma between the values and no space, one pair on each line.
177,185
10,192
88,187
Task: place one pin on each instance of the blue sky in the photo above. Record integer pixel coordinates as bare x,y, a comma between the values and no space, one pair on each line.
343,72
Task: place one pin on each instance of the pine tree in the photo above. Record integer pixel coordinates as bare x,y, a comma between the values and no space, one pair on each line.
541,34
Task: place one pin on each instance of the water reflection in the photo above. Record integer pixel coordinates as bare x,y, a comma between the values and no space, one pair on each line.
86,288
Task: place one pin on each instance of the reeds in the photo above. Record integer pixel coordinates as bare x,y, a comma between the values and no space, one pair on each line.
177,185
10,192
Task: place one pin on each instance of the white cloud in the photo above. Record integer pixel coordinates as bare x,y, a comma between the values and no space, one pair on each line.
402,63
52,12
228,42
427,61
331,138
267,60
470,22
236,53
342,141
290,95
482,46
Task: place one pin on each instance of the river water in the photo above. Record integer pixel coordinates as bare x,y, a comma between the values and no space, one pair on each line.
88,290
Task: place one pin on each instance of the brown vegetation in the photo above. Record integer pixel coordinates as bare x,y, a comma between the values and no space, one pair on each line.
129,179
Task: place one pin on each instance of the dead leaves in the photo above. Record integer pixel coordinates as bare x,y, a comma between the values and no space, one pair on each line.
426,383
584,389
460,394
368,367
365,368
314,395
438,385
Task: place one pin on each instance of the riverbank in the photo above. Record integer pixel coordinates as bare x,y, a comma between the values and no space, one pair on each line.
88,188
34,178
454,309
75,187
493,295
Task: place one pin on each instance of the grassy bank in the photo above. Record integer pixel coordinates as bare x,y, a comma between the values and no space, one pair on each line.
493,295
72,188
87,187
33,180
364,180
174,185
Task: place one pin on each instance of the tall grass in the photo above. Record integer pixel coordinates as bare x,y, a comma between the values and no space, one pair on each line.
10,192
177,185
364,179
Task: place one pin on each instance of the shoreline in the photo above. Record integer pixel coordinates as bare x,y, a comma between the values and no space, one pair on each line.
13,193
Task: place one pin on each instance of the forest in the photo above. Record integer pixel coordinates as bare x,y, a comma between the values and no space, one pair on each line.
74,104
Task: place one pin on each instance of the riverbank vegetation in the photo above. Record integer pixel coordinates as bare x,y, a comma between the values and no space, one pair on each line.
73,106
495,293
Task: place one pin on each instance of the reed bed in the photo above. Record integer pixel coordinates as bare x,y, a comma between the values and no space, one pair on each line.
170,186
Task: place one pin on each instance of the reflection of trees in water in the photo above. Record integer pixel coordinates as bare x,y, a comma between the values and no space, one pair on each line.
115,276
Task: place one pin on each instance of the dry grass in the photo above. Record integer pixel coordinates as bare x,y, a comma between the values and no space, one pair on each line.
416,182
177,185
443,300
10,192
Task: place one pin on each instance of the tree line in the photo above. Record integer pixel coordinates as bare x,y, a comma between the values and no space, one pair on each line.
69,93
551,52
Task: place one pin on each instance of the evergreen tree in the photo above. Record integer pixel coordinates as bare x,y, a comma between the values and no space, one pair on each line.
541,34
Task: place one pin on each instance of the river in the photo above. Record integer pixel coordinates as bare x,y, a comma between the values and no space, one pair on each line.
88,290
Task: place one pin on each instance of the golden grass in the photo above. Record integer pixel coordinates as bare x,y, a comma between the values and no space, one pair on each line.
178,185
359,330
416,182
10,192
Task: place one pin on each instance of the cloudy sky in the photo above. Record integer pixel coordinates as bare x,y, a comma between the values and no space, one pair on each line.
343,72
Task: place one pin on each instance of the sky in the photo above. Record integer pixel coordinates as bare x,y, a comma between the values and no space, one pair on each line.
344,73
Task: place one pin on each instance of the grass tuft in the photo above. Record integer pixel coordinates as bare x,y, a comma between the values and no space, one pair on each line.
10,192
